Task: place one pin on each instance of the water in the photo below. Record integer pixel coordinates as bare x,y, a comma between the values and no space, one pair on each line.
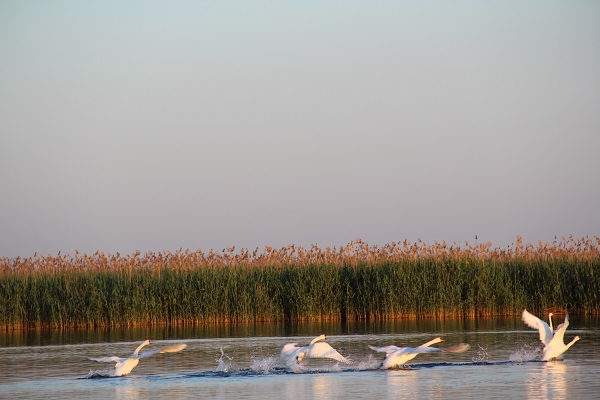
241,362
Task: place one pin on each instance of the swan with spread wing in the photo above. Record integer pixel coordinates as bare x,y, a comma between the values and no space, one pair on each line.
554,345
396,356
316,349
124,365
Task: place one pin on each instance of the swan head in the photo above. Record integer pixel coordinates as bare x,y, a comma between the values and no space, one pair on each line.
576,338
145,343
434,341
300,356
320,337
550,315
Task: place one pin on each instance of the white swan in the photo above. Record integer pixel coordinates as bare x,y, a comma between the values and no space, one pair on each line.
554,345
124,365
316,349
396,356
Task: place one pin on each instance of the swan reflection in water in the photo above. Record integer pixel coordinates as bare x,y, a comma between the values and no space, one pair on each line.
127,391
548,381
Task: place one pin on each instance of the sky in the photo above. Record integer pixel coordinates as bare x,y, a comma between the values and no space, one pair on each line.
163,125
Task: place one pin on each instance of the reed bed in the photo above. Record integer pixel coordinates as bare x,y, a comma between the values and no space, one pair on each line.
354,282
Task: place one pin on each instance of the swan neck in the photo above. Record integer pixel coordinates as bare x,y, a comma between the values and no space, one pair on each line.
434,341
315,340
137,351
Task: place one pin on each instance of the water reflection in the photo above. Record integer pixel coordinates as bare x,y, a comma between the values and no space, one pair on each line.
324,387
402,382
38,337
548,380
126,390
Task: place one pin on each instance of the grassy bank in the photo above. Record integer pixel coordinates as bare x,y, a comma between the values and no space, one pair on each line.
354,282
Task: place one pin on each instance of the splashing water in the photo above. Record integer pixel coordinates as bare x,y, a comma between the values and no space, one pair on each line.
482,355
264,365
336,368
101,373
526,353
222,364
297,368
371,363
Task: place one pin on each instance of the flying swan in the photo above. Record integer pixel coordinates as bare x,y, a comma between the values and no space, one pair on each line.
316,349
126,364
554,345
396,356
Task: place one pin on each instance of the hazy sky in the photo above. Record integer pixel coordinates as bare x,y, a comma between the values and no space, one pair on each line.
159,125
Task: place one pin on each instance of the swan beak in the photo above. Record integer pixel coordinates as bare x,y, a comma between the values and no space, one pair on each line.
441,340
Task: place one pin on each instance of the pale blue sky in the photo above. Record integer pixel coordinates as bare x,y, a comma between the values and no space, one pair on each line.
151,126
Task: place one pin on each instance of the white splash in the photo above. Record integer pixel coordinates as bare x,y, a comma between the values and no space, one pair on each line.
264,365
526,353
368,364
222,364
482,355
101,373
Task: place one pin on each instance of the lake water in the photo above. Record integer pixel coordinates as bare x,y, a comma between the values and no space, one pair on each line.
501,362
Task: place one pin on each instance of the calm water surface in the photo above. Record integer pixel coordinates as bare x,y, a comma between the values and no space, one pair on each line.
241,362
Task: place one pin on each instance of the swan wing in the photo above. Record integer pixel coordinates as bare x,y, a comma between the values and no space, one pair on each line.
169,349
534,322
386,349
114,359
559,333
288,350
403,355
458,348
324,350
423,349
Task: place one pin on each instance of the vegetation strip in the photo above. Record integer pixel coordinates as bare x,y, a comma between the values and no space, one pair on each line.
354,282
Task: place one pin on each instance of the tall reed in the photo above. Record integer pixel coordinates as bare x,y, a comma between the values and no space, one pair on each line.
354,282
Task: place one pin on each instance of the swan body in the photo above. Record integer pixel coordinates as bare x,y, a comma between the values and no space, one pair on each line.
554,345
316,349
124,365
396,356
